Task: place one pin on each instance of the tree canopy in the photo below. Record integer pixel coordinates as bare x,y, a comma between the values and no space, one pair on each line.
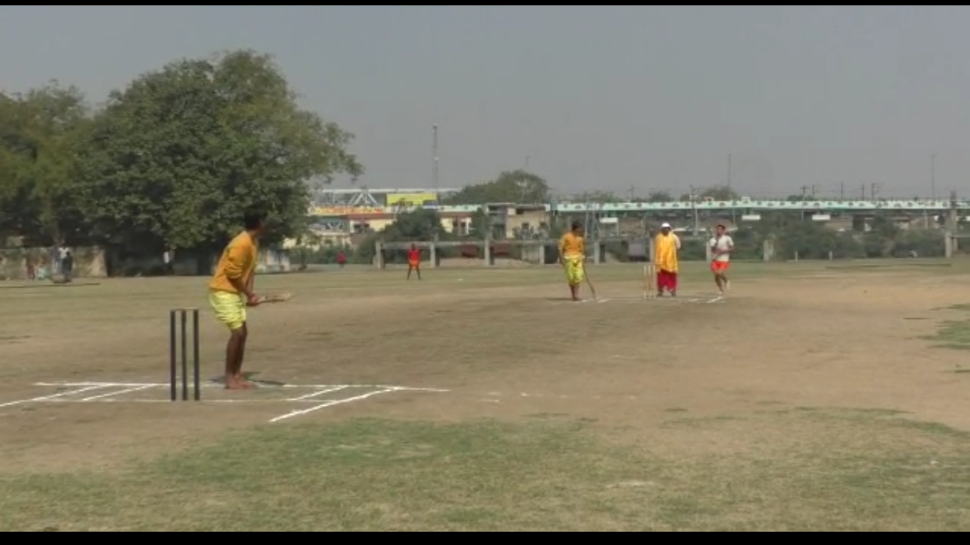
171,161
38,149
518,186
715,192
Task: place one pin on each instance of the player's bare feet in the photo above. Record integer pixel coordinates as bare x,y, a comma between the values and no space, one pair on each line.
243,383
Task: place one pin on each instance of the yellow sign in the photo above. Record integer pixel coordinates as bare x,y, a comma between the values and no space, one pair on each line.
346,210
410,199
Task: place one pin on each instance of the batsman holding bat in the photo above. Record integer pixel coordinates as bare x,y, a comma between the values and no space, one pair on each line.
572,257
231,291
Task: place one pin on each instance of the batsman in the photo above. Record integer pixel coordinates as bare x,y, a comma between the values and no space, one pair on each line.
231,291
572,256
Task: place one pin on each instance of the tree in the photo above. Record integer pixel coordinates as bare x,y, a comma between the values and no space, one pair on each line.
884,226
597,196
660,196
715,193
719,193
184,150
518,186
38,162
418,225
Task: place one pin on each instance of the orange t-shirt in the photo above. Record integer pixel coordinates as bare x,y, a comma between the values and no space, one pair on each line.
414,256
572,245
238,262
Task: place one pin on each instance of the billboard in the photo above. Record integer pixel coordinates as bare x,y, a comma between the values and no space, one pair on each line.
336,211
410,199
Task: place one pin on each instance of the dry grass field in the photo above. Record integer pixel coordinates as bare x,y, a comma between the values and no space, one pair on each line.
814,397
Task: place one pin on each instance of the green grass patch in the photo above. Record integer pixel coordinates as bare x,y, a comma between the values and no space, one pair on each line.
961,307
831,470
952,334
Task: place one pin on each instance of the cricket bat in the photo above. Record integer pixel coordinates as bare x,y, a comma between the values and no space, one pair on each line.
281,297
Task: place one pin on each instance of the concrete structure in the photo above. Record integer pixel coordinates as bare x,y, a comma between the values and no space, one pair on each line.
746,207
518,221
540,251
364,196
365,213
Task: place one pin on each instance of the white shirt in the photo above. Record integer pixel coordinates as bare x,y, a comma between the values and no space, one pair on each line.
722,243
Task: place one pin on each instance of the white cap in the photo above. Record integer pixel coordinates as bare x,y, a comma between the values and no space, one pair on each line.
665,225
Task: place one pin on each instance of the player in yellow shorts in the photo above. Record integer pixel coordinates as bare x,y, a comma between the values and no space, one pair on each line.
572,256
231,291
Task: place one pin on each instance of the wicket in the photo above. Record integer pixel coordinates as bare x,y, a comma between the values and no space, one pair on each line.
183,313
649,273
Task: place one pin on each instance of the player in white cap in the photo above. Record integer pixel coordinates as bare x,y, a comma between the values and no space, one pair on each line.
665,248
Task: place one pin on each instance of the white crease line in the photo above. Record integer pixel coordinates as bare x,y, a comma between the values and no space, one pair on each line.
329,404
118,393
203,401
101,384
317,393
210,385
55,396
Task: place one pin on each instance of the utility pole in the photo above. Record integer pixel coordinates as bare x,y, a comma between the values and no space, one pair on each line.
933,176
730,171
693,205
872,190
863,191
841,191
806,188
434,168
632,191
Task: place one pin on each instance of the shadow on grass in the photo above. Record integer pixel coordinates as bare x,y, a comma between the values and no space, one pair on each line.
838,470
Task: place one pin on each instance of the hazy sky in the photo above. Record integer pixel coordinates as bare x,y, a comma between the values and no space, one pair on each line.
597,97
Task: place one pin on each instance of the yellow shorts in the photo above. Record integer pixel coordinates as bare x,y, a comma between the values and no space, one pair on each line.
575,272
230,308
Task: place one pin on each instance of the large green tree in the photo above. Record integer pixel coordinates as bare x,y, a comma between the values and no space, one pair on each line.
38,163
184,150
518,186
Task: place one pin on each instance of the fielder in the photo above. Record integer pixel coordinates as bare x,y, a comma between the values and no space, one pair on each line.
665,248
721,247
414,261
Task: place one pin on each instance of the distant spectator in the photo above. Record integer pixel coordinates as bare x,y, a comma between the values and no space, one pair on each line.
67,265
62,252
341,259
